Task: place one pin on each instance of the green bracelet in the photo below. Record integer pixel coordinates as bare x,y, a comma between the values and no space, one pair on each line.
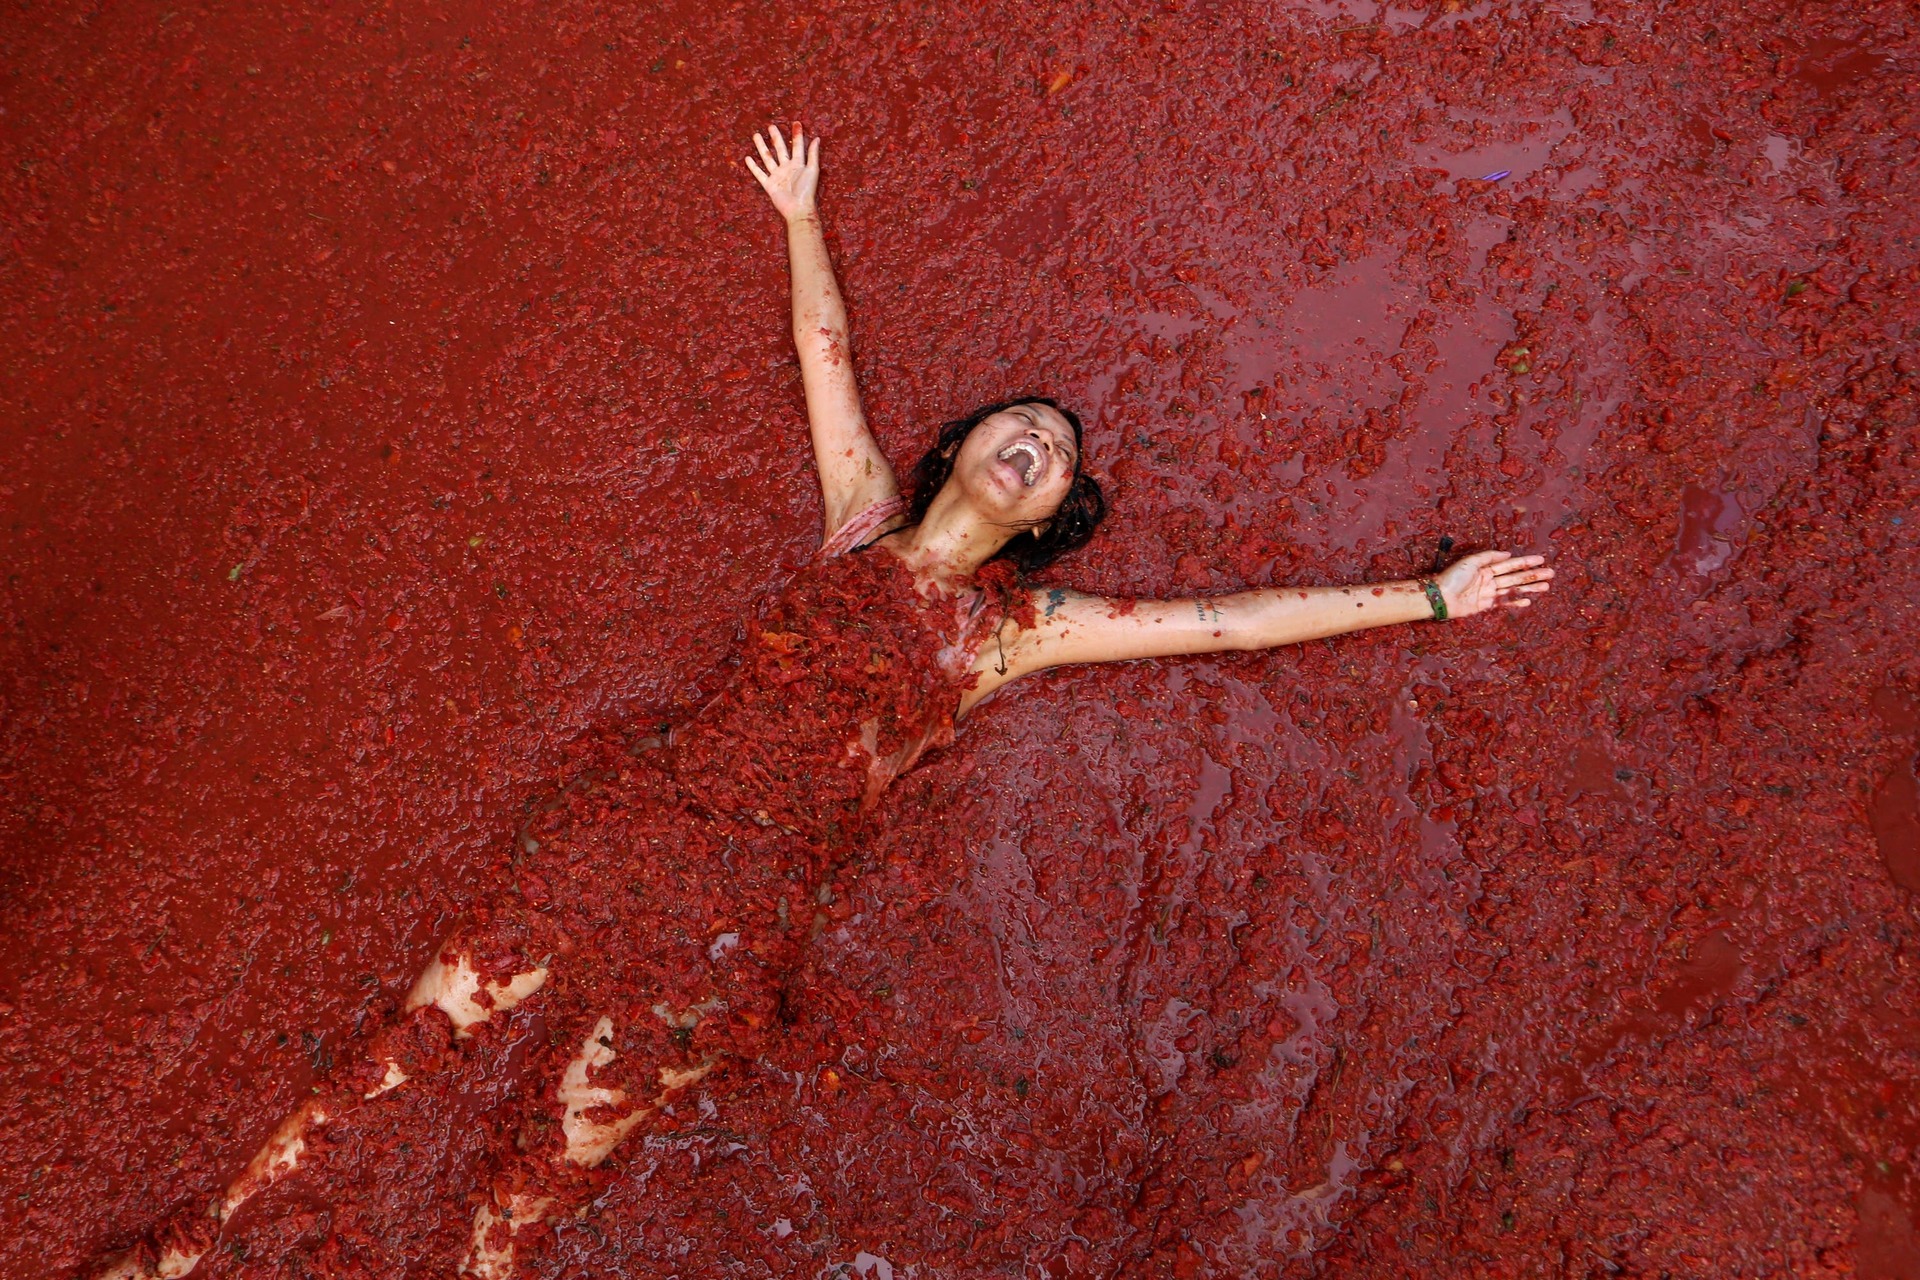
1434,598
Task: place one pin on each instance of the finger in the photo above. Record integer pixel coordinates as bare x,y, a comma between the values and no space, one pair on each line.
813,156
766,156
779,143
755,170
799,142
1478,562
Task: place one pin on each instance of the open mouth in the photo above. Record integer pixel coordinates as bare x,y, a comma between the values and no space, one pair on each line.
1036,464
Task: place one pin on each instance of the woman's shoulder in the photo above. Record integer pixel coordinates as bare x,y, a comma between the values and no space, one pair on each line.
862,526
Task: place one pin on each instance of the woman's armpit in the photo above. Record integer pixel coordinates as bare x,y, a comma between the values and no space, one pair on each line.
866,523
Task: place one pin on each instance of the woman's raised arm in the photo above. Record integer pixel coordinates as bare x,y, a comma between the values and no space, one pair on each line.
853,472
1073,627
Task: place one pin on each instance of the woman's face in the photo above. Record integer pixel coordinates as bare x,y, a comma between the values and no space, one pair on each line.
1018,464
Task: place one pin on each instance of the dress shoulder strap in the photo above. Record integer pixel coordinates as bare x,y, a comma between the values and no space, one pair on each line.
855,531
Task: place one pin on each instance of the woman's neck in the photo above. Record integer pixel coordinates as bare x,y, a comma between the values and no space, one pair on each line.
948,546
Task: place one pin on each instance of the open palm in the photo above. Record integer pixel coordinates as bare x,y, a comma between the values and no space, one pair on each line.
789,177
1488,578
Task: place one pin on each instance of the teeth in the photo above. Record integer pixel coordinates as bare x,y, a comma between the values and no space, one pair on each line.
1033,458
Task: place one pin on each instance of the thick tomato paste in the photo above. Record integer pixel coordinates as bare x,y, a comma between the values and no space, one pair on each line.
398,421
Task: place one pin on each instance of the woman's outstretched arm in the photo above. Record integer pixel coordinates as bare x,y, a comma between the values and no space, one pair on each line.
1073,627
853,471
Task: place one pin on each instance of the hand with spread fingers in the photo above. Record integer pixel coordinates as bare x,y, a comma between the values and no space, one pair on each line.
789,176
1480,581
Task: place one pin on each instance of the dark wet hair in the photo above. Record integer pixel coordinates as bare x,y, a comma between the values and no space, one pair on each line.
1080,513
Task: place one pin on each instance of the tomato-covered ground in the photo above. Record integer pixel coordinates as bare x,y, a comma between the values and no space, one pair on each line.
394,398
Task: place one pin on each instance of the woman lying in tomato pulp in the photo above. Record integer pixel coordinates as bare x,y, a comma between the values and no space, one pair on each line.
912,613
